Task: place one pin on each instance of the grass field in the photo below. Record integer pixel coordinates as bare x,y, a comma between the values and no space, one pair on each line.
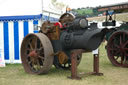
119,17
15,75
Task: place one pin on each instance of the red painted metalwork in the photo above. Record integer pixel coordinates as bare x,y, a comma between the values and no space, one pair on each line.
74,55
96,65
58,24
74,74
117,49
33,53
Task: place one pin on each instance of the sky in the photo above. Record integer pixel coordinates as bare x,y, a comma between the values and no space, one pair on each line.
90,3
20,7
32,7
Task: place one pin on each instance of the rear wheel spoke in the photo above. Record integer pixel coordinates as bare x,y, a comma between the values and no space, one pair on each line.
122,59
117,57
125,43
126,49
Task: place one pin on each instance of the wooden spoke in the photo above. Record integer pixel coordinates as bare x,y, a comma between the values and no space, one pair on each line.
42,58
35,43
31,47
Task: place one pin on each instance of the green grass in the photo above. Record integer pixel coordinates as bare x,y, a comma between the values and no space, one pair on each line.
84,11
15,75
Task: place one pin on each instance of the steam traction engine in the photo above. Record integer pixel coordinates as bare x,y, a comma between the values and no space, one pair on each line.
117,38
58,42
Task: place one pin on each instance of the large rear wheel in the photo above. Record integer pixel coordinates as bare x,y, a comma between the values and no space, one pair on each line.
117,49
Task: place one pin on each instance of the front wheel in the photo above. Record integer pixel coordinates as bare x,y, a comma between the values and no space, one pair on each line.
36,51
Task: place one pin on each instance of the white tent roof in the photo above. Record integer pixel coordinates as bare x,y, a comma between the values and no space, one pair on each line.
20,7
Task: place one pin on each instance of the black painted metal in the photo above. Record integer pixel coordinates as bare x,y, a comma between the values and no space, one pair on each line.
78,36
88,40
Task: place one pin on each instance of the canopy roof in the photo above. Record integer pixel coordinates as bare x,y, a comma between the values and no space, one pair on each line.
120,7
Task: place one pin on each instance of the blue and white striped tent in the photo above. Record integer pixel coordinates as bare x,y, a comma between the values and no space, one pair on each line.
12,31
